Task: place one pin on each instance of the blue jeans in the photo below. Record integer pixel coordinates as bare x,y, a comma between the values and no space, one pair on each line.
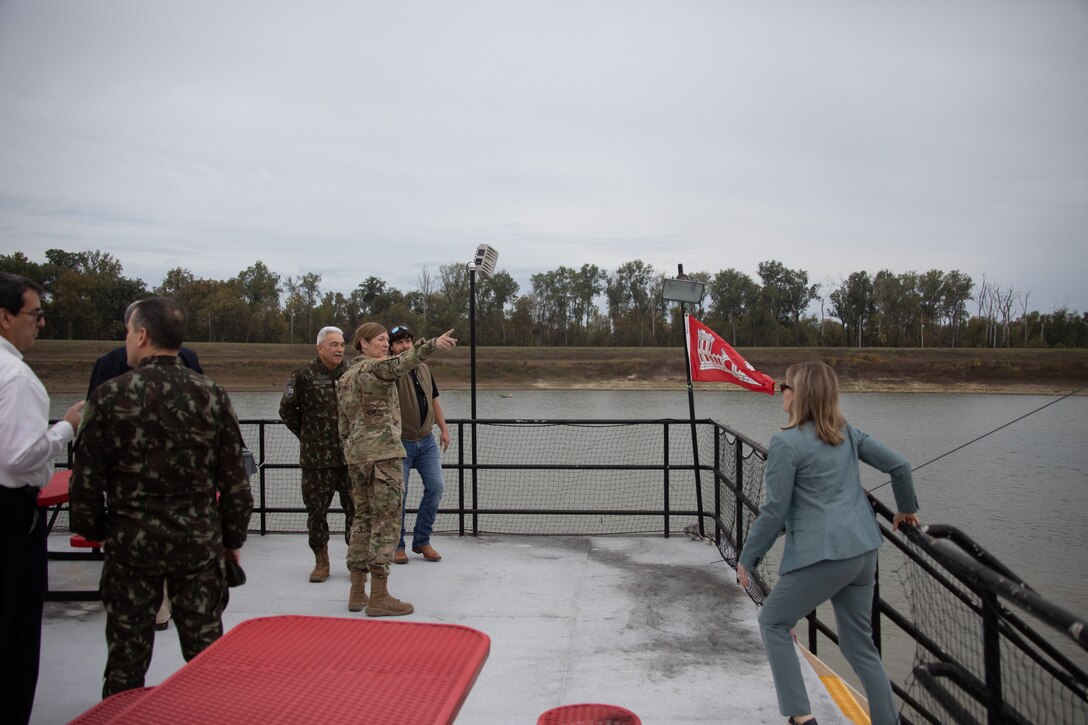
424,456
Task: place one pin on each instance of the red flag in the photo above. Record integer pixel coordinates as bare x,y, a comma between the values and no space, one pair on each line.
714,361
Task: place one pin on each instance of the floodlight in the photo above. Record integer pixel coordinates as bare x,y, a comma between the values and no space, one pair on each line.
687,291
485,261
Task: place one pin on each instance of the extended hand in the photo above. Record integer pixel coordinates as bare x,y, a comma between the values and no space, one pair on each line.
445,341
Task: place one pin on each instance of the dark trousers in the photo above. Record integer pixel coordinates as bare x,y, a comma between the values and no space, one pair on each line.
22,593
132,597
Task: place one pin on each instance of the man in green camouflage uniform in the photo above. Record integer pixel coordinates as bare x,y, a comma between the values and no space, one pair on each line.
308,407
370,434
159,478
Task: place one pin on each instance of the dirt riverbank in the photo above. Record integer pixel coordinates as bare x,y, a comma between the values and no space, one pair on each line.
65,367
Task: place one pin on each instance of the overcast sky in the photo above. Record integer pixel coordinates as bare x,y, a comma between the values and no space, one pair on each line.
359,138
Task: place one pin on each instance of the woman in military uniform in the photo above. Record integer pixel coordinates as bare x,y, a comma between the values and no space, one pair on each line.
370,434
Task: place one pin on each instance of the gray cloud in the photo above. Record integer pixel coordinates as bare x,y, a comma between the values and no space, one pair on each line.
378,138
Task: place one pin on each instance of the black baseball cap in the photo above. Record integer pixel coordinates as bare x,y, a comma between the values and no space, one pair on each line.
399,332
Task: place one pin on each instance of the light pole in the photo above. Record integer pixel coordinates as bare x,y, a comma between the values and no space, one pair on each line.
686,291
483,263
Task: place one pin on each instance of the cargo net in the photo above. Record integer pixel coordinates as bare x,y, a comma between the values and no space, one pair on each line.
742,490
532,477
1042,671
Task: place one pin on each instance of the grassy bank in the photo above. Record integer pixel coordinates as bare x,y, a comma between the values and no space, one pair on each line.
65,367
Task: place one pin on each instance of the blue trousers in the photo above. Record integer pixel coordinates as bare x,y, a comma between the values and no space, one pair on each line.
424,456
849,584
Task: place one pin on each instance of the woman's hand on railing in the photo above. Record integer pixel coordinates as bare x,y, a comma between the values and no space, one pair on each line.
901,518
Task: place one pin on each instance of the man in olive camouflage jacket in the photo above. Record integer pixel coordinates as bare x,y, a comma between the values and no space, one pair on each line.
159,478
308,407
370,435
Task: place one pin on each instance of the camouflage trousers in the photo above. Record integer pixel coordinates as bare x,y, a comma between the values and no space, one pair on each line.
318,487
378,489
132,596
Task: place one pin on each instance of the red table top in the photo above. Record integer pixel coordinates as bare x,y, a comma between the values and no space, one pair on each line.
56,491
296,669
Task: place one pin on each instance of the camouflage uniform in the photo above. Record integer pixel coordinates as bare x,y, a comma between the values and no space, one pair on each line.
370,434
308,407
159,478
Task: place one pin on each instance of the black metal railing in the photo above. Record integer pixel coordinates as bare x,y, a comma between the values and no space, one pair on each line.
590,477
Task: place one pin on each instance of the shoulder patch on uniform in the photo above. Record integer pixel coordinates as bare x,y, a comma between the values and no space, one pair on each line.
289,390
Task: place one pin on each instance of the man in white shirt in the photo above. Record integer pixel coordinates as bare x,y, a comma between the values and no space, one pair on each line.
27,449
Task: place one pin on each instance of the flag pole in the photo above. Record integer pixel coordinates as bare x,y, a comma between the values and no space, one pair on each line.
691,412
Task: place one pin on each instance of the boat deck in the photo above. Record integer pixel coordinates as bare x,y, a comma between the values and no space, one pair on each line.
656,625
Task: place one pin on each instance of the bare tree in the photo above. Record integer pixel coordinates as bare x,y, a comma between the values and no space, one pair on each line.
1024,313
425,286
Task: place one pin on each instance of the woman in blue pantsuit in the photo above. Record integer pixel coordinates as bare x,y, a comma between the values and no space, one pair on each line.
814,491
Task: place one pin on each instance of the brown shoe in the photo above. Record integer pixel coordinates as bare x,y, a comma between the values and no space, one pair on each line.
399,557
357,598
428,552
382,603
321,566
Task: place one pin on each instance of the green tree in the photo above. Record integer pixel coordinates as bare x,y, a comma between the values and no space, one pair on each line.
852,302
731,291
796,296
955,292
260,289
930,288
492,297
774,276
586,285
453,289
629,295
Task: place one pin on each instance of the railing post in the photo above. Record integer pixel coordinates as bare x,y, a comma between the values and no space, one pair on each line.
260,477
991,656
717,485
813,632
475,483
738,490
461,477
665,438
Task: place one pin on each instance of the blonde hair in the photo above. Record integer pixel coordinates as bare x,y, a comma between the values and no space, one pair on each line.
366,331
816,399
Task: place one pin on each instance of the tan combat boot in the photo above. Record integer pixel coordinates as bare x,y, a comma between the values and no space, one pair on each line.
382,604
357,598
321,565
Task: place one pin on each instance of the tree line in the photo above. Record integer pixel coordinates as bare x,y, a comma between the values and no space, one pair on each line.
87,293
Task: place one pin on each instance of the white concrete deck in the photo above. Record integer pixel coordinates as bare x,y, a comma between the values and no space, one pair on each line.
656,625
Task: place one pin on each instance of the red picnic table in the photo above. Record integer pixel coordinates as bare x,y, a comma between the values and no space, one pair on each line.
293,669
51,499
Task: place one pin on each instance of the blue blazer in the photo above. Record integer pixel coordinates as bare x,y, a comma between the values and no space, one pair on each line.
814,491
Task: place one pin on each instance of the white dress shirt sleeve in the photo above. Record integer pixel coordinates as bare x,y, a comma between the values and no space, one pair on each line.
27,444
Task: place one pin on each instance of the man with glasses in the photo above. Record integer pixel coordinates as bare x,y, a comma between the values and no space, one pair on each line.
28,446
309,409
419,412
